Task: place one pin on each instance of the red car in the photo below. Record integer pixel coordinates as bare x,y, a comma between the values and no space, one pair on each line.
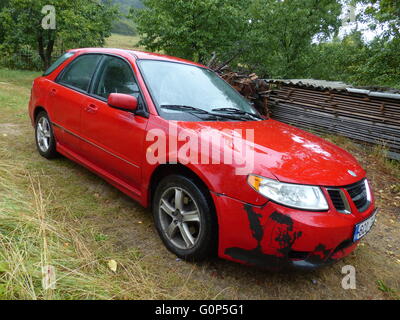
294,200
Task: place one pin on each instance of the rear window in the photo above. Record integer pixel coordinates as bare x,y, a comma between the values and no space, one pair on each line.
59,62
79,73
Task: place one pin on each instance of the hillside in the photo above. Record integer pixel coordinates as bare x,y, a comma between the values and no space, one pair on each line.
125,26
125,5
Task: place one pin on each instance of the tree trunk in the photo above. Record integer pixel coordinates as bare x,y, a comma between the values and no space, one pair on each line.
49,52
45,52
41,50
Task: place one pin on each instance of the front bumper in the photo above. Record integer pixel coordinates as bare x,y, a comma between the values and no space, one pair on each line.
276,237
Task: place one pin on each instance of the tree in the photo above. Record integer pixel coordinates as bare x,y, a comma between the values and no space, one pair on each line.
381,65
79,23
283,32
384,11
3,4
339,59
192,29
271,35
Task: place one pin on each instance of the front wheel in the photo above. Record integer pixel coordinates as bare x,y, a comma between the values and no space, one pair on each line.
45,141
185,218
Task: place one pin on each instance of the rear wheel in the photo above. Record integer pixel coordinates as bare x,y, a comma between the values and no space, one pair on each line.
45,141
185,218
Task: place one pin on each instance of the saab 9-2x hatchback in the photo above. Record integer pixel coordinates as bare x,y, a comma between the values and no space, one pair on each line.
160,128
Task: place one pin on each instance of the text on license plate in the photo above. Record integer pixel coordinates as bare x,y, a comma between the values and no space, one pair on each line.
364,227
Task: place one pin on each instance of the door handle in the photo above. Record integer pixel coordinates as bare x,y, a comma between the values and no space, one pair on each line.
53,92
91,108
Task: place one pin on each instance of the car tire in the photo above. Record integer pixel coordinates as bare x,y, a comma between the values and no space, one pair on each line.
185,218
44,136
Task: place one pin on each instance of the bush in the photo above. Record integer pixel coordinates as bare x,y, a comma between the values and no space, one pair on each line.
23,59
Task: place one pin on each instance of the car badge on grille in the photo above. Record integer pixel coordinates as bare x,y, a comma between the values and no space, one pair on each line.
352,173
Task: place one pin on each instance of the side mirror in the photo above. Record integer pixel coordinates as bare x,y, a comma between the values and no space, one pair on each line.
123,101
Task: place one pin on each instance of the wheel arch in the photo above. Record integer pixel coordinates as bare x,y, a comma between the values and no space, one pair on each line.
37,110
164,170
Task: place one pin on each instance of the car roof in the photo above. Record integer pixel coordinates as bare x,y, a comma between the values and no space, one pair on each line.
138,55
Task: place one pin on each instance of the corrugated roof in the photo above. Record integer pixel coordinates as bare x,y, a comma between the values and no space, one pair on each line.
335,85
318,84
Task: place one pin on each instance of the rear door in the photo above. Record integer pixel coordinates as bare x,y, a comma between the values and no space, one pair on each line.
67,97
113,138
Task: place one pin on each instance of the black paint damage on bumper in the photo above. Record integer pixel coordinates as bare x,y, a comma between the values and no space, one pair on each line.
320,256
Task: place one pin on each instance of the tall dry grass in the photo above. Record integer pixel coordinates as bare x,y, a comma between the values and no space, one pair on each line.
30,239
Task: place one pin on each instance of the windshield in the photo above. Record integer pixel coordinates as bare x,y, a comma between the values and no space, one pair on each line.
178,89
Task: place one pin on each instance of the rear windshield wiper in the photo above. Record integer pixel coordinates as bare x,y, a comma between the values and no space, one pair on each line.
238,111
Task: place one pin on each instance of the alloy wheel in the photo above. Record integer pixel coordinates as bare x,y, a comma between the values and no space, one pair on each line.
43,134
180,218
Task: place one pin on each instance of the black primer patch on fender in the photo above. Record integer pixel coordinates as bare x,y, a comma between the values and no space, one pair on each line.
282,219
286,238
255,225
256,256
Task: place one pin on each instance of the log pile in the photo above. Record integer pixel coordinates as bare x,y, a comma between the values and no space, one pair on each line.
359,116
362,115
251,87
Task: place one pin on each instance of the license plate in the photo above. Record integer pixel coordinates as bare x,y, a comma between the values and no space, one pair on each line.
364,227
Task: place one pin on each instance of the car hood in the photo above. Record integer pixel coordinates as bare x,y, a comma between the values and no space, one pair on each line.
290,154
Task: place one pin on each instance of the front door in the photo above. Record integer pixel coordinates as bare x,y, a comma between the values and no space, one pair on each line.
113,138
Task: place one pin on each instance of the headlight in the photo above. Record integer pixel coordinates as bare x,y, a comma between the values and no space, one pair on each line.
291,195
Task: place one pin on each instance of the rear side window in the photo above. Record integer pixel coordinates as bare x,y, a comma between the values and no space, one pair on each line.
79,73
59,62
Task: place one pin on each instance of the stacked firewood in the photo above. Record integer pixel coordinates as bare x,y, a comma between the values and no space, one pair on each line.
363,116
251,87
374,119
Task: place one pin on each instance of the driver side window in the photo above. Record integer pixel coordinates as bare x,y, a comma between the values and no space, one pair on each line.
115,77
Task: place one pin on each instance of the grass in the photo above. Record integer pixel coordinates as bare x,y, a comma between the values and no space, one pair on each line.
59,214
40,226
123,42
34,235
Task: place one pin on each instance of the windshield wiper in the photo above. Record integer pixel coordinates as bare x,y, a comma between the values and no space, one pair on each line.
238,111
196,111
214,116
178,107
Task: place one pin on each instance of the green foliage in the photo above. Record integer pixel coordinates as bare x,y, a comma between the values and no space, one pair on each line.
283,31
3,4
272,36
353,61
276,39
381,64
192,29
79,23
337,59
375,63
384,11
25,58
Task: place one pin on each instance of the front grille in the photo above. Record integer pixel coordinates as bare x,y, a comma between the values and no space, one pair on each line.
337,200
358,193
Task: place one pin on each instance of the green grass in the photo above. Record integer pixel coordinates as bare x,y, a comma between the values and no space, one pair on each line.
123,42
